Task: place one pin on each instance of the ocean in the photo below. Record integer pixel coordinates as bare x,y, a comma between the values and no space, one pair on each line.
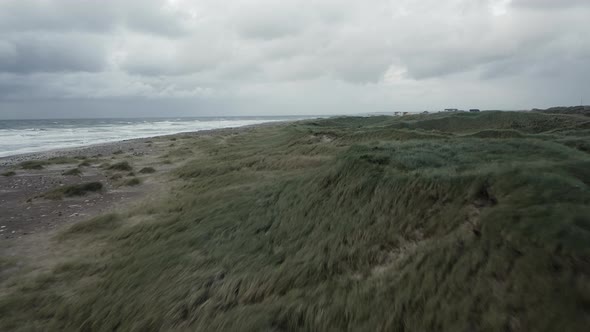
26,136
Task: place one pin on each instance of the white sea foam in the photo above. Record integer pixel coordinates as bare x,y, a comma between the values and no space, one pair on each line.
18,137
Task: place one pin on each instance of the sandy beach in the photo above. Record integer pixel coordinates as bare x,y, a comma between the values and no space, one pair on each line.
28,219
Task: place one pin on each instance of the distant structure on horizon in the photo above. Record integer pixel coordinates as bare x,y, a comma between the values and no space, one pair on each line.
473,110
451,110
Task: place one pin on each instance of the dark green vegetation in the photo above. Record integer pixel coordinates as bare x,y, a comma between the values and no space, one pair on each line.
147,170
33,164
116,176
73,172
133,182
40,164
102,223
74,190
445,222
579,110
121,166
9,173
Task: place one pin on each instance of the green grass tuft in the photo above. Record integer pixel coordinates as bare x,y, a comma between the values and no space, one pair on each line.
133,182
74,190
147,170
443,222
34,164
121,166
73,172
92,226
116,176
40,164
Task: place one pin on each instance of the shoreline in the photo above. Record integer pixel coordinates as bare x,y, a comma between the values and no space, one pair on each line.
135,144
26,211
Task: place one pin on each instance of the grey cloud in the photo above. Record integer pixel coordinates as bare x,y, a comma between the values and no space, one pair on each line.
268,20
150,16
520,40
549,4
170,57
73,86
266,28
12,88
424,67
31,15
51,53
273,56
355,70
112,108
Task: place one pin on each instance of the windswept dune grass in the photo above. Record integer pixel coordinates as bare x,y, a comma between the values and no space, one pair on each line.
40,164
74,190
460,222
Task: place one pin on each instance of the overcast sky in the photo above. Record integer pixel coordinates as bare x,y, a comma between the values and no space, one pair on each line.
64,58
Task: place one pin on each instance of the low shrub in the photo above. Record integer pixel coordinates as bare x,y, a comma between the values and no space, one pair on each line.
74,190
33,164
147,170
121,166
133,182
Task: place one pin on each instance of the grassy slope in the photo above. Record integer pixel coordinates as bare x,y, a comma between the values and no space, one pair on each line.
461,222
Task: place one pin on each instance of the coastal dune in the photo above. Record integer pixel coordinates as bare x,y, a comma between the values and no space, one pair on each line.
440,222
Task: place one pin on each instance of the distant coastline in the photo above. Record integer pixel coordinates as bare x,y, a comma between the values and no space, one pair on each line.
23,137
108,147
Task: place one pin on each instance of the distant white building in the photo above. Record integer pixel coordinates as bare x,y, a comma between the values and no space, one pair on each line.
451,110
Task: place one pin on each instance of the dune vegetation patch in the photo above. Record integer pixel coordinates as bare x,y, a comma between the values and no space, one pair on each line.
121,166
40,164
73,172
132,182
500,133
442,222
147,170
34,164
94,225
74,190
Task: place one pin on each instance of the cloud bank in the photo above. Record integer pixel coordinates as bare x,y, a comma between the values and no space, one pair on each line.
256,57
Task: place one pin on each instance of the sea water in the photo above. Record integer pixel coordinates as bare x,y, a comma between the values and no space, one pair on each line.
26,136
